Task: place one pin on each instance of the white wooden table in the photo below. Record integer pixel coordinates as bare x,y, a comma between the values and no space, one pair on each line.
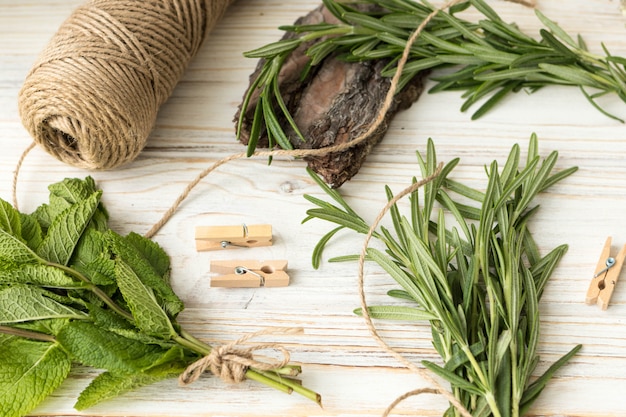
339,358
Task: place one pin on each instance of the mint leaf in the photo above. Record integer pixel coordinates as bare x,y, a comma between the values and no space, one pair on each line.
74,190
14,251
23,303
109,385
92,258
65,194
31,231
29,372
150,264
151,252
148,314
37,274
47,326
106,319
10,219
102,349
66,230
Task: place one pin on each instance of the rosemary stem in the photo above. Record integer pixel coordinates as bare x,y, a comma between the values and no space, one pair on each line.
476,366
515,391
339,30
491,400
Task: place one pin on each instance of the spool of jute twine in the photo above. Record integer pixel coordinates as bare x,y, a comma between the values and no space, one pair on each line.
92,98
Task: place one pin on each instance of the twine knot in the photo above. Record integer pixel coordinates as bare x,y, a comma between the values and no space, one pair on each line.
231,361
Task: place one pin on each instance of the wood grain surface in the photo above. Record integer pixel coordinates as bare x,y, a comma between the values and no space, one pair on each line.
340,359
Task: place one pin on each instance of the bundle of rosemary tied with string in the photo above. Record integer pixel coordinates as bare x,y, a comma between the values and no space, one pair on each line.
477,283
487,60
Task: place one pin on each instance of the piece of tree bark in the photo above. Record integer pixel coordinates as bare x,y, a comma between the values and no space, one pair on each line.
335,103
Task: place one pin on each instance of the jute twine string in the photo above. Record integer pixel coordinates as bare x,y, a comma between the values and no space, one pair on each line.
231,361
424,373
196,369
91,99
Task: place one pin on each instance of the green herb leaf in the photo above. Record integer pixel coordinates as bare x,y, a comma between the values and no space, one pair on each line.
92,258
145,308
31,231
39,275
10,219
151,252
13,251
149,265
66,193
397,313
455,380
533,391
66,230
21,303
273,49
25,364
109,385
102,349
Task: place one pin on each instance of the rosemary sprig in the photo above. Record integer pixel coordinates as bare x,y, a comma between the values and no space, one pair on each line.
490,58
478,283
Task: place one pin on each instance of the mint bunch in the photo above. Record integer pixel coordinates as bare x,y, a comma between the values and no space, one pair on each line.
74,291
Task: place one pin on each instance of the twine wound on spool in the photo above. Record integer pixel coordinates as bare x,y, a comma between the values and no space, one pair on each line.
91,99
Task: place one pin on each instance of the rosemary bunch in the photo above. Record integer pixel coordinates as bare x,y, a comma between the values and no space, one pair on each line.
489,58
478,283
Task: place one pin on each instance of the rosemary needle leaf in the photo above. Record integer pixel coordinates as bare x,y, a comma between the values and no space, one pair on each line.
533,391
273,126
273,49
399,294
321,245
556,29
397,313
287,115
255,130
493,100
333,193
454,379
339,217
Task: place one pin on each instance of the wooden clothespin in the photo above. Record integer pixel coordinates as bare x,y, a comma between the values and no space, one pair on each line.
231,237
238,274
606,276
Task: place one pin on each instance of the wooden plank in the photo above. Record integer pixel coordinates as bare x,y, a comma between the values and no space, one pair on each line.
339,357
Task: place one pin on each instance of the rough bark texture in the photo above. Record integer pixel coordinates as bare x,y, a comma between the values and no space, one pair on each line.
334,104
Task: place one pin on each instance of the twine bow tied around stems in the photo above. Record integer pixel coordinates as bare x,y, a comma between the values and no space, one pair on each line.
231,361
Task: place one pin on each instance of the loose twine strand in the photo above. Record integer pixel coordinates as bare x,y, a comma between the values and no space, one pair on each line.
230,361
424,373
